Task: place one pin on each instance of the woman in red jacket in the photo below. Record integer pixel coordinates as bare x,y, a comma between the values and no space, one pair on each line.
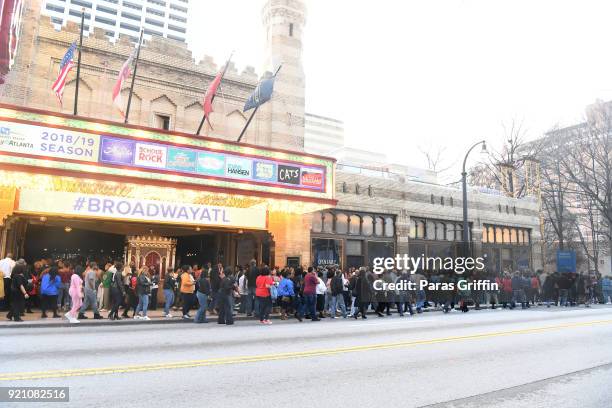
506,290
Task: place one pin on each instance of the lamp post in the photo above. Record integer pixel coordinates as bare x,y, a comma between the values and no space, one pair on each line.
466,230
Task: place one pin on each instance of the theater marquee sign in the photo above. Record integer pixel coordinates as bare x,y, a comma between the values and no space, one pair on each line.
137,210
105,149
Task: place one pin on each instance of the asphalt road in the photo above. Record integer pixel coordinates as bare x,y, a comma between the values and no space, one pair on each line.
534,358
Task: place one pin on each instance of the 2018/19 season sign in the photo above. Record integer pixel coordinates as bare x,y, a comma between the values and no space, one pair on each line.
78,146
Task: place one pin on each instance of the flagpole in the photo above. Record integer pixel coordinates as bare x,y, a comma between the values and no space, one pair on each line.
213,97
254,112
127,110
76,88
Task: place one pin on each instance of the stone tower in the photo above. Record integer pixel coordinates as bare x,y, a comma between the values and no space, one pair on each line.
284,22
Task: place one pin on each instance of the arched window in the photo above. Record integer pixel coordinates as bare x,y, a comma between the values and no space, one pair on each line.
521,237
459,232
440,231
499,239
513,236
491,233
317,222
367,227
450,231
341,223
430,231
354,225
419,229
389,227
379,226
328,222
506,236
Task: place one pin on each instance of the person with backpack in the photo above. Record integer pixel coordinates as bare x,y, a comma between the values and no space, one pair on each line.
337,295
263,294
143,291
285,293
117,290
202,293
50,286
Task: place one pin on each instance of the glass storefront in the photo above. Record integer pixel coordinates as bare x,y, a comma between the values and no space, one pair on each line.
351,239
506,248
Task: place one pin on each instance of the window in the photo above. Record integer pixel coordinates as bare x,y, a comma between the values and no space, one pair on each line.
153,32
451,201
450,231
317,222
440,231
109,33
157,2
355,225
344,187
57,9
130,16
430,229
174,37
506,239
328,222
379,226
441,200
432,199
491,234
178,18
156,12
367,225
290,29
459,232
85,4
154,22
514,209
513,236
341,224
56,20
132,28
178,29
389,227
354,247
419,229
77,13
108,21
178,8
112,1
161,121
132,6
106,10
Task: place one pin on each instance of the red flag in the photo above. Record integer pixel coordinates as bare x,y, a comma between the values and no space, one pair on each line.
210,94
124,74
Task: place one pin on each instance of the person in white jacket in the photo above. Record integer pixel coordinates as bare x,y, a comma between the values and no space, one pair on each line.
321,289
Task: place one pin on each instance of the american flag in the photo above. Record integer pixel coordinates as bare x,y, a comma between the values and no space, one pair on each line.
65,66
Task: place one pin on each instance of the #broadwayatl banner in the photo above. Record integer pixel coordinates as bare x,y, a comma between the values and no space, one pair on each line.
139,210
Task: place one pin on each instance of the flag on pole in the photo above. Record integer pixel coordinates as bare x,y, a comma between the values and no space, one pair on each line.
210,94
124,74
65,66
261,94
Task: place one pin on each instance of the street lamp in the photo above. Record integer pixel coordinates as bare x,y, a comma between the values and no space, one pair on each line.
466,230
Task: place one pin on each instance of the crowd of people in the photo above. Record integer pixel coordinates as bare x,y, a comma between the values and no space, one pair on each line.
72,287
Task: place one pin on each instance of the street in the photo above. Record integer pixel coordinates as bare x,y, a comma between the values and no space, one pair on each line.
533,358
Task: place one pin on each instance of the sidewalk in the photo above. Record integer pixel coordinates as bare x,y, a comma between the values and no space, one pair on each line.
34,319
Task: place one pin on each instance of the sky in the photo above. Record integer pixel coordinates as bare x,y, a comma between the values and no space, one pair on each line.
407,75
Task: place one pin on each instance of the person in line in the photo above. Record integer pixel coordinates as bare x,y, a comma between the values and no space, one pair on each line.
6,267
91,275
243,290
403,294
227,286
310,294
154,289
202,293
507,291
253,273
321,290
76,296
117,290
143,290
285,294
63,299
50,287
606,289
336,286
262,293
187,290
169,287
18,293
